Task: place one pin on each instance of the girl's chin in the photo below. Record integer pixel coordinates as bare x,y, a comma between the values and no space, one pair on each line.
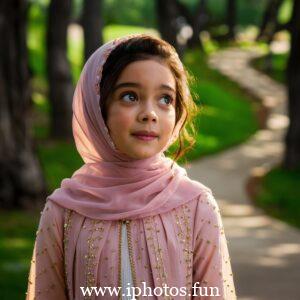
142,154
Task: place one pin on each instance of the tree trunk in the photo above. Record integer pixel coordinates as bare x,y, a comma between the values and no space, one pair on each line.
92,26
58,68
21,180
269,23
292,139
231,18
169,23
198,23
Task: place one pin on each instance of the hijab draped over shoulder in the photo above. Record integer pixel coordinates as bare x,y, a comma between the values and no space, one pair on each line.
110,185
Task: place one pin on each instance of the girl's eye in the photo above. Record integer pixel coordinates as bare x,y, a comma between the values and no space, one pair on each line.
167,99
129,97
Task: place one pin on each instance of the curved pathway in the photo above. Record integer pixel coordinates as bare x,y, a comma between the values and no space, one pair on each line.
265,252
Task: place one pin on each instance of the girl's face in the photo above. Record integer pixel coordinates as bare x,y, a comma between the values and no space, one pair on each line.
141,109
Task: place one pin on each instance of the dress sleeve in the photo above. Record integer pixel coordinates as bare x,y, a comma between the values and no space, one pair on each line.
212,271
46,277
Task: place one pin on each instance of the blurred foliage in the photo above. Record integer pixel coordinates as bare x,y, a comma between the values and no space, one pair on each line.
248,11
142,13
279,195
17,236
278,63
285,11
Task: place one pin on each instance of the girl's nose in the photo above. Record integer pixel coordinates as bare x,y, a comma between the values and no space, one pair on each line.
147,114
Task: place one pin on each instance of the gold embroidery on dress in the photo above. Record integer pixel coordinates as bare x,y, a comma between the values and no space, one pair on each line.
187,249
91,254
151,226
130,250
129,239
67,227
185,238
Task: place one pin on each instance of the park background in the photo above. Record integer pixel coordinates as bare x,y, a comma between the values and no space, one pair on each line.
44,46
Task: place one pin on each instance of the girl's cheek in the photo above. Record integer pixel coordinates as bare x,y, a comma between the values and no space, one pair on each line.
120,114
125,118
170,119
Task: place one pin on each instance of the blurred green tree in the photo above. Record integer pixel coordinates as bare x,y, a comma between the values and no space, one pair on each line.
199,21
58,69
92,26
292,139
231,18
269,24
179,26
21,180
168,20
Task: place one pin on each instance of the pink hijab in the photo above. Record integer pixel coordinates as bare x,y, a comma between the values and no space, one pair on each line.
111,185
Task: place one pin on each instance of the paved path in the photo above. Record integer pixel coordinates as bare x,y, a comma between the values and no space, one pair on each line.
265,252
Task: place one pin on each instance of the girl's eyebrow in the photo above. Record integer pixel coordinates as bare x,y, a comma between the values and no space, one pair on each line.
135,84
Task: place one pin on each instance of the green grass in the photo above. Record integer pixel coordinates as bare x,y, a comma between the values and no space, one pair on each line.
111,32
278,62
17,236
279,195
59,160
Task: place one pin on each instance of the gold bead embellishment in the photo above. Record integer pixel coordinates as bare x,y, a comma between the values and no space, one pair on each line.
151,227
91,254
185,240
130,250
67,227
129,238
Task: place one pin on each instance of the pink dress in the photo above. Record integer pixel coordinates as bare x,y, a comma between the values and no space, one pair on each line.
170,254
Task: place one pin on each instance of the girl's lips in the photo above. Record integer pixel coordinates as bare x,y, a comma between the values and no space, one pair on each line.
144,137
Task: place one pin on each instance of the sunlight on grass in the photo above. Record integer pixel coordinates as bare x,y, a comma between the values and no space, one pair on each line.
11,243
111,32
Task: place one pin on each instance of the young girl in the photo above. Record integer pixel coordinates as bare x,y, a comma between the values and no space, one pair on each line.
130,223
